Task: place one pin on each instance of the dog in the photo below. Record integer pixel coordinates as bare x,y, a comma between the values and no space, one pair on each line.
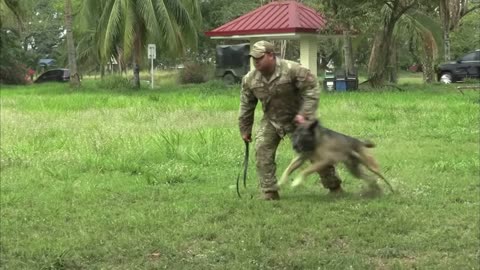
325,147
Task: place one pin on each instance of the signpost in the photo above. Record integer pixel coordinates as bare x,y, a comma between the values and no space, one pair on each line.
152,54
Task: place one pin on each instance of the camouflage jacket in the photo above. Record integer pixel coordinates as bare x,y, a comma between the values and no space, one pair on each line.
291,90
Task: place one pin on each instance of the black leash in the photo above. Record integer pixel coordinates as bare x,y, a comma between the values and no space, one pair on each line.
245,167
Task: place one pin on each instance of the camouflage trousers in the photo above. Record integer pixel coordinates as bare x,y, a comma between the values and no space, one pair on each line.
267,141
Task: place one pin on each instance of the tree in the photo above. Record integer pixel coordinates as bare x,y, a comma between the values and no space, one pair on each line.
379,64
11,16
466,37
424,36
11,13
42,35
354,20
451,12
72,61
131,25
216,13
341,16
12,67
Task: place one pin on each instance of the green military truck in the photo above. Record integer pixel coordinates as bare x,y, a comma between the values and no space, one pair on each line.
232,62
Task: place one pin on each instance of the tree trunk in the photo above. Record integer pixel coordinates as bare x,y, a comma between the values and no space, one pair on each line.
428,68
347,52
136,70
283,48
392,63
379,58
446,45
445,17
136,60
381,50
72,61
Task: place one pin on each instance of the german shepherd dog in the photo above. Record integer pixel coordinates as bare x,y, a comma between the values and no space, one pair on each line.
324,147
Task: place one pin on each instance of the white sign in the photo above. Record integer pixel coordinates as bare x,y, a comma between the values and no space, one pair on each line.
152,51
152,54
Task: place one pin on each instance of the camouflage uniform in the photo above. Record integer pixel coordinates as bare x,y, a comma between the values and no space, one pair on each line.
291,90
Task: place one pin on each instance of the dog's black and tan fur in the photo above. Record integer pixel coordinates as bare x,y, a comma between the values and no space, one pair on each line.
324,147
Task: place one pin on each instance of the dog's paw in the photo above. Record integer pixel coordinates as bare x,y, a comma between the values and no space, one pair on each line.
297,181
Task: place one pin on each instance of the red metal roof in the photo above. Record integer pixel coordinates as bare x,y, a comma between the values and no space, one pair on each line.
275,17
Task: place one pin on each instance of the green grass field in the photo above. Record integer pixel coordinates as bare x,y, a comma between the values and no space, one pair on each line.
122,179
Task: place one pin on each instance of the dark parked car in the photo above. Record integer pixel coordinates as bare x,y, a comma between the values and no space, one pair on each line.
467,66
232,62
54,75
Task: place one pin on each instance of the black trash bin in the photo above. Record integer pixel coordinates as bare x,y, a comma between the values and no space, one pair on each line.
329,81
352,83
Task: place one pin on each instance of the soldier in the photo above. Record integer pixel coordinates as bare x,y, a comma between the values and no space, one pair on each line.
289,94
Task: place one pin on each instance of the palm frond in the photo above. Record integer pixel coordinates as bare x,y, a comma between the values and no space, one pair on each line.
184,20
193,8
426,26
90,13
113,27
148,16
171,24
129,28
165,25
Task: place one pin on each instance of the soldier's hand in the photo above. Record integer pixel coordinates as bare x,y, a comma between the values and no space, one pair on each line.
300,119
247,137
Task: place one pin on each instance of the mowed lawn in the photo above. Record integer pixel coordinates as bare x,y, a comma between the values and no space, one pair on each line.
123,179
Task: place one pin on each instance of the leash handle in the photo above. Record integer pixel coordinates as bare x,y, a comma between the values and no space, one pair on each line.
245,164
245,169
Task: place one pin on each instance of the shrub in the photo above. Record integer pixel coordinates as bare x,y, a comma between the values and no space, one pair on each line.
114,82
15,74
194,73
12,59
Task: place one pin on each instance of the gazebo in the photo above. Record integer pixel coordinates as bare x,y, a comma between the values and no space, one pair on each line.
279,20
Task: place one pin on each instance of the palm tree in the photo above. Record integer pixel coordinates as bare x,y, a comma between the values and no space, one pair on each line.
88,52
423,27
72,61
131,25
426,34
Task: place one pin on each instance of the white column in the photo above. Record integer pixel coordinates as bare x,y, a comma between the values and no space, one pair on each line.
308,54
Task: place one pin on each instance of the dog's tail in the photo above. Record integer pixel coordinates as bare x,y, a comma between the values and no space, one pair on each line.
368,143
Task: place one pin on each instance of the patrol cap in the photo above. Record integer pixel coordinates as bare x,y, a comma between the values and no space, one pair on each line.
260,48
